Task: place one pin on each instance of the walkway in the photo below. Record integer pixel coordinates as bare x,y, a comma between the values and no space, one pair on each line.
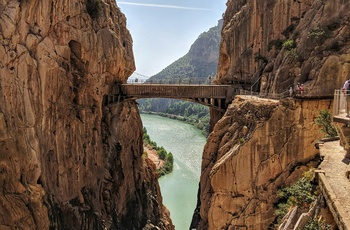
215,96
334,183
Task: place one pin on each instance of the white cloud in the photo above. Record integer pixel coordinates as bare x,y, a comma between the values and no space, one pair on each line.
162,6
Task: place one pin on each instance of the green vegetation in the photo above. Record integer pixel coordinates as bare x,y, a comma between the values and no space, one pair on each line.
192,113
324,119
318,35
290,47
289,44
315,224
300,194
93,8
162,154
198,64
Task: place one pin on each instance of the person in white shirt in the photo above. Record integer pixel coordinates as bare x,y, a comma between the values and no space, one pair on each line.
346,92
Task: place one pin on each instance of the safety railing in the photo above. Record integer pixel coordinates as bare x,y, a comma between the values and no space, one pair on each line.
275,96
340,105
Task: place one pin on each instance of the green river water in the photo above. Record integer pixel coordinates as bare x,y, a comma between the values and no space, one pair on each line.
179,189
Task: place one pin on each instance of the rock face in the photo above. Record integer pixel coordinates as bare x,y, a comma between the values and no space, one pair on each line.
256,148
280,43
260,146
66,160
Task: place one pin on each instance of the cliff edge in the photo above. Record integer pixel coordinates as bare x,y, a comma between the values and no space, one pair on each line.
259,146
67,161
273,45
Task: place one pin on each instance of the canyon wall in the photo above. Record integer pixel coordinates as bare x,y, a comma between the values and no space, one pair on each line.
66,160
276,44
259,146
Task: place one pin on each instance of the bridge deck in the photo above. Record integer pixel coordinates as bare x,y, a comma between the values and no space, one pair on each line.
215,96
172,91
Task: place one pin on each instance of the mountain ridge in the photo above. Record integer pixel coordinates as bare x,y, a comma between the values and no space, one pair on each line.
199,64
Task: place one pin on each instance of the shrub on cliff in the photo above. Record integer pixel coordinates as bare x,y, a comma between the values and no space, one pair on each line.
318,35
300,194
324,119
289,44
315,224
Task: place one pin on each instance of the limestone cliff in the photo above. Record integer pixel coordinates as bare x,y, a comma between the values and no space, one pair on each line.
258,146
67,161
276,44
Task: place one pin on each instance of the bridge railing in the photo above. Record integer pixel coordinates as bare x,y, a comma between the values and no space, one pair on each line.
340,103
276,96
169,81
178,91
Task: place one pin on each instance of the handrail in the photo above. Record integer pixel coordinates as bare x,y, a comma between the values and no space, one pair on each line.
251,87
340,106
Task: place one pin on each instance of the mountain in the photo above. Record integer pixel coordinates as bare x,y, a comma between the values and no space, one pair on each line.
198,64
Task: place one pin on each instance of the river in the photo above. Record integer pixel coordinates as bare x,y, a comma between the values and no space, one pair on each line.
179,188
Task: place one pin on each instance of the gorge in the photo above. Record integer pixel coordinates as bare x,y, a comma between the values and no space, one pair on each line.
69,162
179,189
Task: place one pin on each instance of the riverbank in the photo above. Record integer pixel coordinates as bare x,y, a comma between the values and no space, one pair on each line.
203,126
152,154
179,188
156,154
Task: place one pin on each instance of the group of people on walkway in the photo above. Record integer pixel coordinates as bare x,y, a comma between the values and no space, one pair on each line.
298,90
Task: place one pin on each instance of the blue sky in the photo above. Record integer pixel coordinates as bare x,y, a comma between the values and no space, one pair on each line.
164,30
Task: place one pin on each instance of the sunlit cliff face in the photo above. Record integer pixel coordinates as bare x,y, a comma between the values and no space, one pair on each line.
251,153
255,49
66,161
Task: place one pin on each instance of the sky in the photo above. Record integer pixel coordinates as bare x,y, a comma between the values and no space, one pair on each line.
164,30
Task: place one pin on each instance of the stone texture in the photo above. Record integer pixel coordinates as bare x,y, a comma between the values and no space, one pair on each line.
66,160
257,147
249,53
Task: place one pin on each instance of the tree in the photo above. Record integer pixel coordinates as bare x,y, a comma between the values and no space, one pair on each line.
170,158
162,153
